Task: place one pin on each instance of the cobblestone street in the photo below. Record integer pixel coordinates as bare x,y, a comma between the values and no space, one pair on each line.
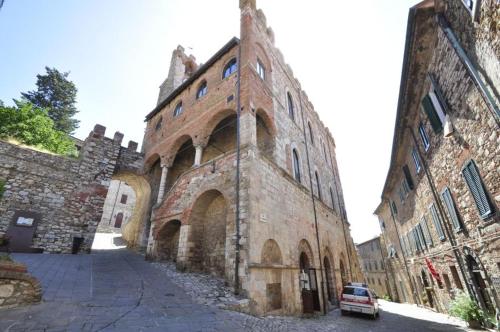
119,291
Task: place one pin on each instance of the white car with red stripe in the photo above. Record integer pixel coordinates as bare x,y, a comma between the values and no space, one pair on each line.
357,297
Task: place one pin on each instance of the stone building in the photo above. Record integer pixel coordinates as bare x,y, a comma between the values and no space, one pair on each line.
118,207
372,255
245,179
439,210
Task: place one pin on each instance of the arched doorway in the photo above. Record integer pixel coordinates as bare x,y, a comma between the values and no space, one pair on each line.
479,281
427,288
330,281
208,220
270,257
119,220
308,279
168,240
343,272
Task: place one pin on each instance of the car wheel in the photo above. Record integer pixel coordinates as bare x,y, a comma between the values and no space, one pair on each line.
343,312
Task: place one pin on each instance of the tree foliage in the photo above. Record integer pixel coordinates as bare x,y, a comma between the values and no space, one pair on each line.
32,125
57,94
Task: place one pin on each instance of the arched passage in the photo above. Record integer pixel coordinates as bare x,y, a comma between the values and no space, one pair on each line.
308,279
183,161
222,138
134,222
343,272
168,240
208,220
330,277
271,256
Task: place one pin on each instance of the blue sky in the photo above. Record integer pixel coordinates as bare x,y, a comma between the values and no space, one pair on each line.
347,55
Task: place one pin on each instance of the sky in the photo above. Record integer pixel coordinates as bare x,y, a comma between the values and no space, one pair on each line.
346,54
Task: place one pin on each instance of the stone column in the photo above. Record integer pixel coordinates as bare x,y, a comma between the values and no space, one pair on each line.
163,181
198,155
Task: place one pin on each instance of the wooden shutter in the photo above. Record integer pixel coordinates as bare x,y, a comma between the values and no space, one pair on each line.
431,114
408,177
437,222
450,206
473,180
427,233
420,235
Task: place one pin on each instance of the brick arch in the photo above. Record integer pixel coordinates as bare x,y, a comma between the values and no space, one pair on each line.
150,161
305,248
174,147
331,283
167,239
343,269
267,119
212,122
271,253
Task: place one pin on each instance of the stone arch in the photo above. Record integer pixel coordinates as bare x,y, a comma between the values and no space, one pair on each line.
306,258
168,240
328,264
484,291
266,133
222,137
151,161
175,148
271,255
208,222
136,230
212,122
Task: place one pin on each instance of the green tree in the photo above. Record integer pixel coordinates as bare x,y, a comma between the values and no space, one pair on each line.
32,125
57,94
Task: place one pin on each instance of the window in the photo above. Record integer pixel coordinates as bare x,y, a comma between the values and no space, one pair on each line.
469,4
376,265
427,233
424,137
401,195
230,68
475,184
432,106
178,109
324,152
414,154
456,278
310,133
436,219
318,184
450,206
261,70
291,112
411,242
123,200
420,236
332,198
158,124
379,282
394,210
381,223
296,165
202,90
408,178
447,282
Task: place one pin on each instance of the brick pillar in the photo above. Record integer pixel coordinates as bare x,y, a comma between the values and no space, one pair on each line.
163,181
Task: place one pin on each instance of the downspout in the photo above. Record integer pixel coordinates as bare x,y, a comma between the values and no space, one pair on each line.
114,205
342,219
314,203
413,291
237,185
441,212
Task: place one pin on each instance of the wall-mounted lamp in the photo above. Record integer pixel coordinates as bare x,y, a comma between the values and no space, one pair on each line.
448,126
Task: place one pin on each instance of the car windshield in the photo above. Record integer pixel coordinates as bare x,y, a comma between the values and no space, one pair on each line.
355,291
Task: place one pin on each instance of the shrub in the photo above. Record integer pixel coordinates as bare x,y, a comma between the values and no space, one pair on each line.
2,187
465,308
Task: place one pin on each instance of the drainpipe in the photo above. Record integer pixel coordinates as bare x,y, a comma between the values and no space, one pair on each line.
314,204
237,185
413,291
114,205
451,238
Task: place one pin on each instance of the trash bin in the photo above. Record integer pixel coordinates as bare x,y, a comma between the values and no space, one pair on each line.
77,243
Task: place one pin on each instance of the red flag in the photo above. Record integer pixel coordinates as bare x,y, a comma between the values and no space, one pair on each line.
432,270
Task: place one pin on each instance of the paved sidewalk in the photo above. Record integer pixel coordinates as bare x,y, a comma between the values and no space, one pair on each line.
117,290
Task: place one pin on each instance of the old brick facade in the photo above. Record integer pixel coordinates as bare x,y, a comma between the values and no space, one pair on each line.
439,211
372,254
288,214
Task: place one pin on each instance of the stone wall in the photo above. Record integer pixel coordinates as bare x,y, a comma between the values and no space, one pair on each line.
64,195
17,287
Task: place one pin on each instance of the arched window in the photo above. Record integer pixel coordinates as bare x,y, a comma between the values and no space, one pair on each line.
290,106
332,198
230,68
296,165
324,152
261,70
318,184
178,109
310,133
202,90
158,124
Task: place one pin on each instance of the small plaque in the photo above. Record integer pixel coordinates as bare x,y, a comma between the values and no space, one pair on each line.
23,221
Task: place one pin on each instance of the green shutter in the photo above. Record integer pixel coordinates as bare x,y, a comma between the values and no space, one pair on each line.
437,222
427,233
421,237
450,206
473,180
408,177
431,114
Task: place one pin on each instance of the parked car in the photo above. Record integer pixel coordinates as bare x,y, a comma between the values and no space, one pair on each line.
357,297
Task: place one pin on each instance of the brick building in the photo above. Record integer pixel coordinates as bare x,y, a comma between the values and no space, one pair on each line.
244,177
439,210
118,207
372,254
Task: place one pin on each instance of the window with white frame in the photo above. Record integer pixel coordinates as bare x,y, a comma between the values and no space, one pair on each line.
261,70
416,160
424,137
